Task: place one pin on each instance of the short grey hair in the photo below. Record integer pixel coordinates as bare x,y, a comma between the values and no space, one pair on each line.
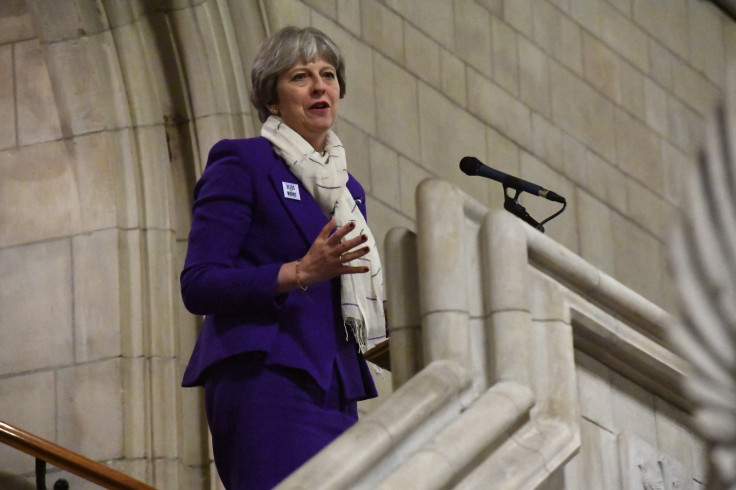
280,52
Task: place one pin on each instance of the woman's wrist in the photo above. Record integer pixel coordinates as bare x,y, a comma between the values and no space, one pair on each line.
299,281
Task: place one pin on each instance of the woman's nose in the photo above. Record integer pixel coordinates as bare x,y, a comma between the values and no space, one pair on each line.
319,85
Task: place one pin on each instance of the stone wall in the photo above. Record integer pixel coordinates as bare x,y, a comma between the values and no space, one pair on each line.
109,108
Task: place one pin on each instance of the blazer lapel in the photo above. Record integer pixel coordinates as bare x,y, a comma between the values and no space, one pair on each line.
304,211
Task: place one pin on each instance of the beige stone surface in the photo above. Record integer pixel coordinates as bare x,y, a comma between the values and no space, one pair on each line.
519,15
586,13
499,109
27,402
397,114
685,127
383,29
38,117
580,110
505,56
638,150
534,78
429,16
570,45
384,172
16,22
37,309
7,98
448,134
90,403
655,106
596,232
601,67
473,35
422,55
706,40
693,88
665,24
637,259
348,15
359,104
96,296
626,38
453,79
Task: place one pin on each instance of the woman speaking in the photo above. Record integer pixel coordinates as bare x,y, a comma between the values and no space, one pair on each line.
285,269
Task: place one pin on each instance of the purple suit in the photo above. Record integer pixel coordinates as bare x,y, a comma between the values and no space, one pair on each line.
244,228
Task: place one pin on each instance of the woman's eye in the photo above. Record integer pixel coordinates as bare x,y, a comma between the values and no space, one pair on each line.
329,75
298,76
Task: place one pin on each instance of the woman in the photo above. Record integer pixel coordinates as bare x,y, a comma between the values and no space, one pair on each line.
284,267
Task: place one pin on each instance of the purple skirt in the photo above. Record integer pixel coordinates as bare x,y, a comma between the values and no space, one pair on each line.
266,421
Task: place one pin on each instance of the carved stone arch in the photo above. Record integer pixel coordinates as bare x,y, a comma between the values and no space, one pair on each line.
142,90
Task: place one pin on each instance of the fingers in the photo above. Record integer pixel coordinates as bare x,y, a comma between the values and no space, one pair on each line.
354,254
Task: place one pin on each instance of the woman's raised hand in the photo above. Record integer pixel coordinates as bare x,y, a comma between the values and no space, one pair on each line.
328,255
326,258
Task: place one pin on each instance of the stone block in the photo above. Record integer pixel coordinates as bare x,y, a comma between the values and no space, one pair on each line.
16,22
473,35
327,7
707,40
729,42
570,53
598,457
164,396
586,13
27,402
162,293
131,294
633,409
502,154
397,117
156,185
144,105
676,439
429,16
95,171
453,77
624,36
655,106
546,141
288,13
639,151
38,193
534,78
650,210
60,20
422,56
601,67
505,56
580,110
410,175
499,109
7,97
685,127
382,29
596,232
667,25
677,166
359,104
594,392
384,172
660,64
519,15
89,410
36,299
96,296
638,259
694,89
632,90
348,15
38,118
447,134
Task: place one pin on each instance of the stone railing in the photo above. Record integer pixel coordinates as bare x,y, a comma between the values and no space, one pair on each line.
486,318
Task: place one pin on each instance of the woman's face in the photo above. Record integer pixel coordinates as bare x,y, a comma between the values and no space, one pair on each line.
308,94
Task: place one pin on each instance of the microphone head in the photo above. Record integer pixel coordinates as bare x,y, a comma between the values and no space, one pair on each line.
470,165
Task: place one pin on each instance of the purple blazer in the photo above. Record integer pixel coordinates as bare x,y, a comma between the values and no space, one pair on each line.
244,227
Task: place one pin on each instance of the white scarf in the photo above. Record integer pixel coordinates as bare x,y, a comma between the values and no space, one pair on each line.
325,176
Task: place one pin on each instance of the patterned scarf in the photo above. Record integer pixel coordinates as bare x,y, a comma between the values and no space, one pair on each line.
325,176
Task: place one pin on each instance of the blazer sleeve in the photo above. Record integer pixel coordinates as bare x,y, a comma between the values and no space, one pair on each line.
214,279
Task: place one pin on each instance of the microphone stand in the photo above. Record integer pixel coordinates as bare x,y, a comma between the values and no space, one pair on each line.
511,204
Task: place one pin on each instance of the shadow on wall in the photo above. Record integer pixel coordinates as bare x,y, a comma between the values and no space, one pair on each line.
12,482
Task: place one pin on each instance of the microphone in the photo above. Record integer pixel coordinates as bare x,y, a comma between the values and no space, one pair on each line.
473,166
